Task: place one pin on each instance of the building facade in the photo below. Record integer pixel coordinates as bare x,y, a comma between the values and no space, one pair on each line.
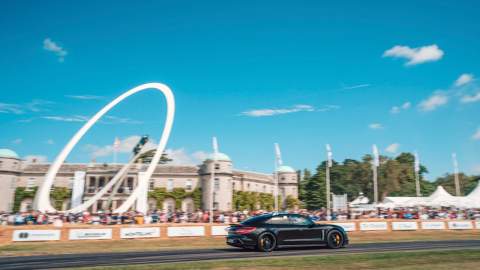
16,174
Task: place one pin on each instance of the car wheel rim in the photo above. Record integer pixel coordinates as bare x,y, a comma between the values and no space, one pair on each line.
336,239
266,243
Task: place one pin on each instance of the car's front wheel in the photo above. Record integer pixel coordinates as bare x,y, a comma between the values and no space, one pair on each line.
266,242
335,239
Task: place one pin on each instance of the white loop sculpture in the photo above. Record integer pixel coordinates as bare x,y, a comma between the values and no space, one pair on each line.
42,199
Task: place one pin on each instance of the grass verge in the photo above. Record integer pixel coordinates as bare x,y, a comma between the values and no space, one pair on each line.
425,260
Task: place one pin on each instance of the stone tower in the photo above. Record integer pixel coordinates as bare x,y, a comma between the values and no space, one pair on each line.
10,166
222,183
287,183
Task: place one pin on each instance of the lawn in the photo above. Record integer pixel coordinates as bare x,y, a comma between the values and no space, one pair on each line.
25,249
425,260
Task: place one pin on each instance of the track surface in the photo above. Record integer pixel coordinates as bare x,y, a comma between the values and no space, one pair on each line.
104,259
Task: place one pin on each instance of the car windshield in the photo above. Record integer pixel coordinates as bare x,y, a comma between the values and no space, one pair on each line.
255,220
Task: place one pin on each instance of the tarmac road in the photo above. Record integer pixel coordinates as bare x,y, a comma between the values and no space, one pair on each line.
104,259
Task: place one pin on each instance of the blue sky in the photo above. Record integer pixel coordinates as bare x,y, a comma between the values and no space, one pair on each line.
300,73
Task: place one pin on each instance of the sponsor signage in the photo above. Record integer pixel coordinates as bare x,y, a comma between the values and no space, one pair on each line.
460,225
373,226
347,226
219,230
35,235
433,225
129,233
186,231
477,224
404,226
90,234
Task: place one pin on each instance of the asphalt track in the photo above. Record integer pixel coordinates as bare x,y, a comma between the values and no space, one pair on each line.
131,258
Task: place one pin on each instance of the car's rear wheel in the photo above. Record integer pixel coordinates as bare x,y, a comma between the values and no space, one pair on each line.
266,242
335,239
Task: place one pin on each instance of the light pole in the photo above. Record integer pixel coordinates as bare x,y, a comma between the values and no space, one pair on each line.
375,164
327,178
457,177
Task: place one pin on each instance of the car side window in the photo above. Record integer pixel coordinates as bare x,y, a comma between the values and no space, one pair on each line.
278,220
296,220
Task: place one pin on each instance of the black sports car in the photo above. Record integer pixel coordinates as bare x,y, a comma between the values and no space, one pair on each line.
269,231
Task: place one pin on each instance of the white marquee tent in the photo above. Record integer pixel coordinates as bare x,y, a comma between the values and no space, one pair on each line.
439,198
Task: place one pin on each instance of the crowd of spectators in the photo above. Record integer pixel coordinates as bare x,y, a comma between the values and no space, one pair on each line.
107,218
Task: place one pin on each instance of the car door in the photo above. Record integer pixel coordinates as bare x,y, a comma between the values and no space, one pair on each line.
287,234
306,231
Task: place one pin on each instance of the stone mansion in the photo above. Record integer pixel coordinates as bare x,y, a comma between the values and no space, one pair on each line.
16,173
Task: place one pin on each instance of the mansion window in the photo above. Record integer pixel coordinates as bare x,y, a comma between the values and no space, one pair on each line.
217,166
188,185
151,184
169,184
31,182
217,184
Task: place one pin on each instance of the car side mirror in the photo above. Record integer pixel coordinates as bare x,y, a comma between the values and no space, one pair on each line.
311,225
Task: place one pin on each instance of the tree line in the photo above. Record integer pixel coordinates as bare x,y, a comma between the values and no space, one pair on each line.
396,177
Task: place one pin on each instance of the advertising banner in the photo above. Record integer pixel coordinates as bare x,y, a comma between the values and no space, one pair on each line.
347,226
35,235
90,234
186,231
129,233
477,224
433,225
460,225
219,230
404,226
373,226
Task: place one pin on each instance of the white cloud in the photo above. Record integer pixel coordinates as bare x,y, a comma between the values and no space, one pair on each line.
35,159
294,109
433,102
415,55
375,126
74,118
51,46
84,97
356,86
470,98
476,136
50,141
10,108
179,156
107,119
272,112
392,148
463,79
17,141
398,109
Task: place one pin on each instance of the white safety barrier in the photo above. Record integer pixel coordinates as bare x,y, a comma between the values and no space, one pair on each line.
219,230
186,231
130,233
405,226
373,226
90,234
433,225
460,225
35,235
347,226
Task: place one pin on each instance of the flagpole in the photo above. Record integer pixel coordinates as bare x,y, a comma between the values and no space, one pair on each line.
212,178
278,162
456,174
417,175
327,179
375,164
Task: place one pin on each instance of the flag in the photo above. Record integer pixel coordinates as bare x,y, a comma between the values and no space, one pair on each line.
116,144
329,155
417,162
215,145
278,154
376,158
